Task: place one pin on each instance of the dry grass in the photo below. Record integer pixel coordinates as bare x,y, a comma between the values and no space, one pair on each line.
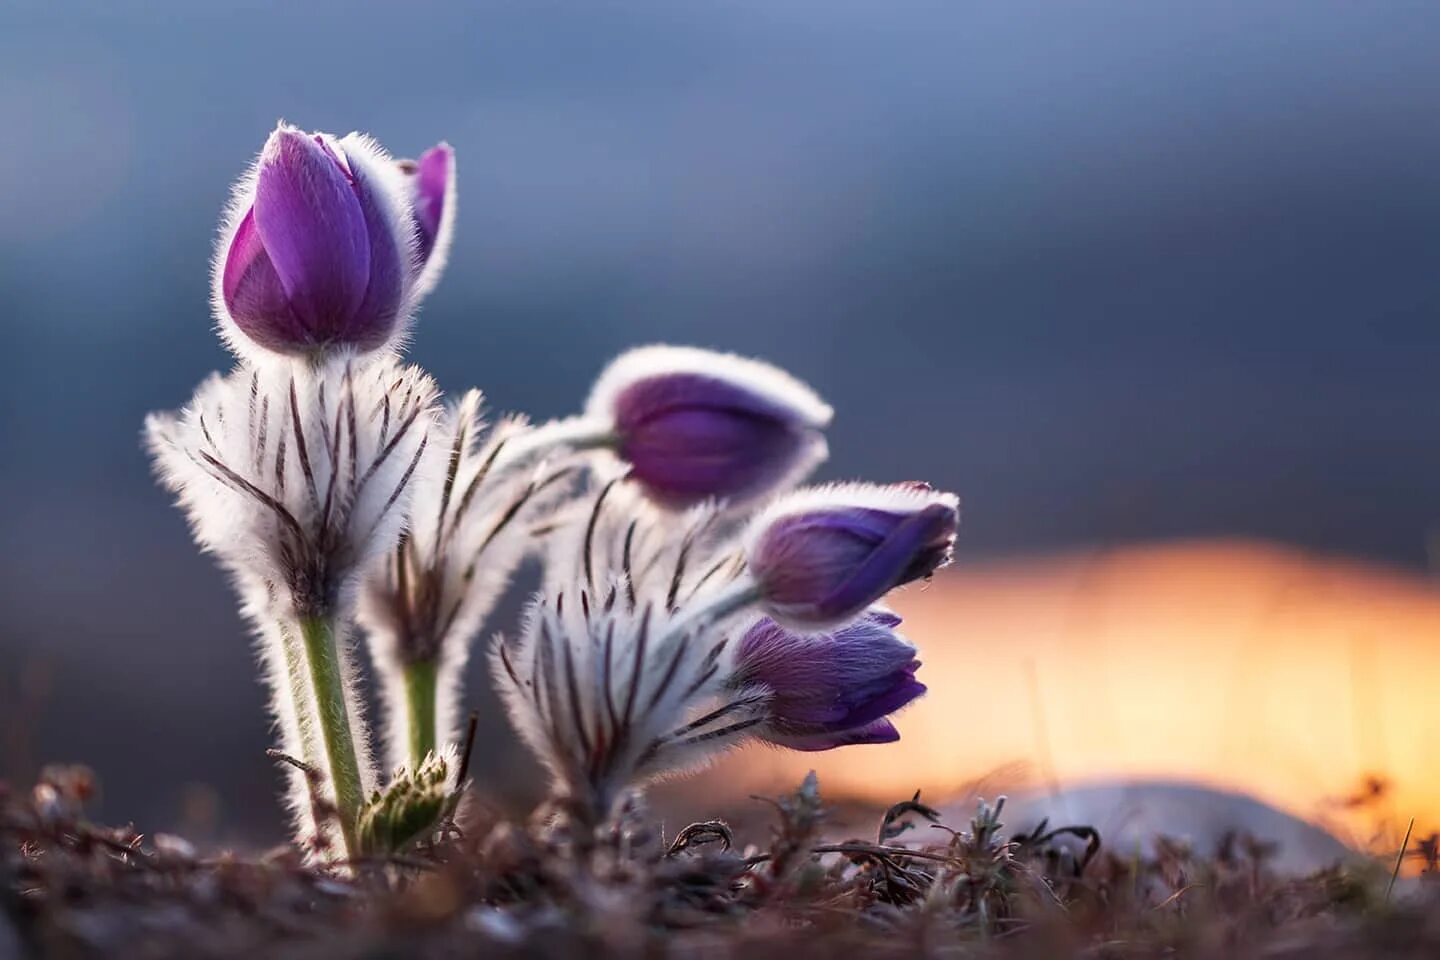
913,888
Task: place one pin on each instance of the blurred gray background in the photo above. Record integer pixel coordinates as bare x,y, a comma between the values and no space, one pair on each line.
1114,271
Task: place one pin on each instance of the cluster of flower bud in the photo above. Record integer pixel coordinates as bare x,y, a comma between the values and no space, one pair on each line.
409,806
675,620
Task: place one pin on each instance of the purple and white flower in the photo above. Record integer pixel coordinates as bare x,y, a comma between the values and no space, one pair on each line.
820,557
830,690
322,247
668,628
695,425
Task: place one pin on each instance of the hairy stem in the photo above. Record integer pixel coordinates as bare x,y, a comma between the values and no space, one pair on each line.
420,708
574,433
327,681
738,596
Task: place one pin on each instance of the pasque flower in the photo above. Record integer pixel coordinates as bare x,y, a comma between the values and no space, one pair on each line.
298,473
694,424
317,472
820,557
323,246
833,689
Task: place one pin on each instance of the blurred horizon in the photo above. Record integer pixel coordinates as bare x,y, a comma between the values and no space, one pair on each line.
1114,273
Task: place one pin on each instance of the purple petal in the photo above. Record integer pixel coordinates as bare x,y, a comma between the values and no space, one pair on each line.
692,455
915,548
881,731
253,294
374,320
828,685
865,654
431,186
658,396
689,438
803,559
901,690
313,230
884,618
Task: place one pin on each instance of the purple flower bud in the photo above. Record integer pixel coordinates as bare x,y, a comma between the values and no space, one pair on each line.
431,181
819,557
830,690
321,248
695,425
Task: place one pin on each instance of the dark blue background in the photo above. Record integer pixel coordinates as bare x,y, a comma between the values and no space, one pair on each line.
1114,271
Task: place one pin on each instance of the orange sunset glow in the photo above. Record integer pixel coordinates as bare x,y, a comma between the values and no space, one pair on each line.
1239,665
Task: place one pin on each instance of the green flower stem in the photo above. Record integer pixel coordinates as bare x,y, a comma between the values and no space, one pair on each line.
420,708
322,654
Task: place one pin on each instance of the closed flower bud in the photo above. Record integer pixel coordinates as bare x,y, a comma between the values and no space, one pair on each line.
409,807
694,425
431,181
320,249
820,557
831,690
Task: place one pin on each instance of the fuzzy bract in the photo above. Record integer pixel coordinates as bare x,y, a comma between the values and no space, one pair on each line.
618,675
296,476
471,523
609,696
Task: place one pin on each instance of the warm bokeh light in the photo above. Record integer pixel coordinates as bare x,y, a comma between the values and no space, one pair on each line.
1285,675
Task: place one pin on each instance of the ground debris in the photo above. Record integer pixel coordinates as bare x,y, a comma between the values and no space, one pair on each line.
913,887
